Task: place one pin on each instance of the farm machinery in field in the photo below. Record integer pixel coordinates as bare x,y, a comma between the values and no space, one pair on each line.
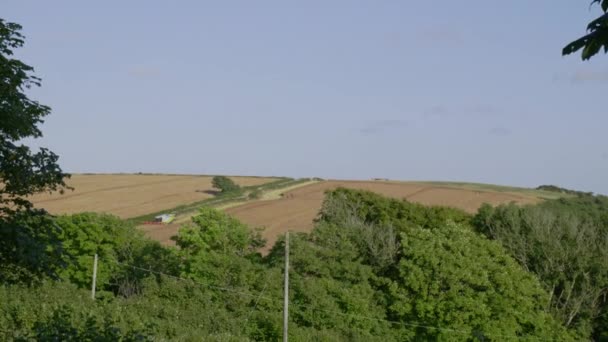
162,219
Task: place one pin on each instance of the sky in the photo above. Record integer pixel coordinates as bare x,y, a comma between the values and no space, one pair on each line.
412,90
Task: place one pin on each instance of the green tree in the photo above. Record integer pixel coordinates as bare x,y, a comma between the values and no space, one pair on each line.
565,244
452,278
595,39
433,270
22,171
225,184
30,248
117,242
213,247
343,205
214,231
29,245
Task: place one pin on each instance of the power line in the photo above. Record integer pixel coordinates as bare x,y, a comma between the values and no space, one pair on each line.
193,281
311,306
255,304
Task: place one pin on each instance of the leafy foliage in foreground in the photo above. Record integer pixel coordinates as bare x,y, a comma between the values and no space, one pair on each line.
565,243
442,273
22,171
597,37
373,269
30,248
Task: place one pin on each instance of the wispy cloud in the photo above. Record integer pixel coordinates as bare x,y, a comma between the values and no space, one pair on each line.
437,111
143,71
441,111
500,131
482,109
440,35
382,126
582,76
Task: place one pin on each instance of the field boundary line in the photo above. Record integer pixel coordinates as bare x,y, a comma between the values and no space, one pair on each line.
185,209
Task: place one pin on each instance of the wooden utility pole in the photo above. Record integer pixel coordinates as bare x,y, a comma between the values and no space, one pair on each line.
94,277
286,290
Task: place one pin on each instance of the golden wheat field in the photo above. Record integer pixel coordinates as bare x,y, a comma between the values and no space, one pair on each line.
129,195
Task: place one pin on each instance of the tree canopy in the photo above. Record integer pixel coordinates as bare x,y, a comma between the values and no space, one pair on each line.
565,243
595,39
22,171
372,269
224,184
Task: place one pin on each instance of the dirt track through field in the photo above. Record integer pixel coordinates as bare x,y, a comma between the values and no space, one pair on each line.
128,195
297,209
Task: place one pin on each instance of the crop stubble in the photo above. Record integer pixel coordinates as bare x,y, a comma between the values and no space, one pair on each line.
298,208
131,195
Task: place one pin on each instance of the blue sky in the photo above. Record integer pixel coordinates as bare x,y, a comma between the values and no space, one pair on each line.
425,90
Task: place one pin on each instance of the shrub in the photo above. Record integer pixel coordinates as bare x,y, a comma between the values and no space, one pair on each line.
30,248
225,184
255,194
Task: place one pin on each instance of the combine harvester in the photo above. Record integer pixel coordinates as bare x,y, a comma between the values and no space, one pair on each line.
162,219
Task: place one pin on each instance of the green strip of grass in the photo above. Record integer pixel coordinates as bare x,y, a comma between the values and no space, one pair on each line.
221,199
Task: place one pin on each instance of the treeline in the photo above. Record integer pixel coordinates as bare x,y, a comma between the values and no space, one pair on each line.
564,243
373,269
554,188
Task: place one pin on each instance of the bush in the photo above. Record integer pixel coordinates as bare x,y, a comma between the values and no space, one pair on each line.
554,188
225,184
342,205
30,248
255,194
59,311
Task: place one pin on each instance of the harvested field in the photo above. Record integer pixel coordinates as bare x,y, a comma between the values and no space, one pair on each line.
161,233
129,195
296,210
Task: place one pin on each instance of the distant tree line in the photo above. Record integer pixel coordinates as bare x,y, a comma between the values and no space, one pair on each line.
554,188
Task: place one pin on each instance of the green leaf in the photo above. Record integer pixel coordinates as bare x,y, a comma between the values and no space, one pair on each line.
591,50
598,23
575,45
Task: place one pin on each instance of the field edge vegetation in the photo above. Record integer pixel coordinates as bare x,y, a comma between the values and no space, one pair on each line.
373,269
222,198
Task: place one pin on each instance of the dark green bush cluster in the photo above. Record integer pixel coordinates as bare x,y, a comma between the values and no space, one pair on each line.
225,184
255,194
554,188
